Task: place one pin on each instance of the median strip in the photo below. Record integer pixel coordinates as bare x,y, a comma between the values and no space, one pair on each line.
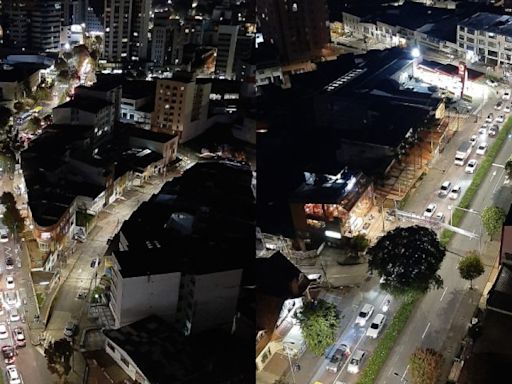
388,340
479,176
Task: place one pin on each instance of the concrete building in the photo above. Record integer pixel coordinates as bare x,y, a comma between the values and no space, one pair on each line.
94,16
299,29
137,103
162,37
125,28
45,25
226,46
181,105
487,38
182,262
13,78
15,23
107,88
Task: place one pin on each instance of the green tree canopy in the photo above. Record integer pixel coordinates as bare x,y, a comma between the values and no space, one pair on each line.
470,267
63,75
319,322
360,243
34,124
5,115
408,258
19,106
12,218
58,356
493,219
61,64
426,366
43,94
508,168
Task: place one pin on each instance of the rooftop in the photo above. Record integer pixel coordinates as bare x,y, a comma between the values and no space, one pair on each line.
345,187
83,103
489,22
18,72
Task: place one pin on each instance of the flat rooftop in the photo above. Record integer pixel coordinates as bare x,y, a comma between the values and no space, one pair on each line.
489,22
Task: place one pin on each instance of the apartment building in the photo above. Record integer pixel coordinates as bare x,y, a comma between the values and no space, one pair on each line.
181,105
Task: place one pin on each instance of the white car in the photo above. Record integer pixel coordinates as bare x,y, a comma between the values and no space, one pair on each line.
354,366
482,148
498,105
4,235
9,297
376,326
3,331
473,140
483,130
13,375
439,216
506,95
429,212
490,118
364,314
500,118
506,109
455,192
470,168
491,83
9,282
19,336
445,189
14,315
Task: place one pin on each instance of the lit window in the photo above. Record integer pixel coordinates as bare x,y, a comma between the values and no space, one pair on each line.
294,7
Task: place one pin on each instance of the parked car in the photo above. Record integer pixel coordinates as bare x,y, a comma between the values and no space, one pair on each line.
9,282
364,314
483,129
439,217
14,315
12,374
473,140
491,83
19,337
498,105
445,189
9,354
3,331
338,358
500,118
376,326
506,109
472,164
455,192
490,118
70,328
482,148
354,366
4,235
506,95
429,211
493,131
9,263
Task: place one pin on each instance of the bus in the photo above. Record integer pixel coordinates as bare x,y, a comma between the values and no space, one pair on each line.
24,117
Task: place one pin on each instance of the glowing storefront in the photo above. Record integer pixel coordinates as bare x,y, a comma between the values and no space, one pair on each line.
332,206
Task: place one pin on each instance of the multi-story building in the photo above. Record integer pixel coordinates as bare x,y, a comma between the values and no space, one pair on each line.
486,37
137,103
299,29
45,25
180,288
94,16
15,23
226,46
108,88
162,36
125,27
139,29
181,105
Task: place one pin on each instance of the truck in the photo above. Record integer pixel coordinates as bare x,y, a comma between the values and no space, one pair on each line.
463,153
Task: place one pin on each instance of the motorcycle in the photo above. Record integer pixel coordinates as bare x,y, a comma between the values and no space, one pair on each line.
386,305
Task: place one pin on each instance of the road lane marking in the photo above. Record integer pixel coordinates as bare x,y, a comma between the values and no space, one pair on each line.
426,329
444,292
349,357
407,368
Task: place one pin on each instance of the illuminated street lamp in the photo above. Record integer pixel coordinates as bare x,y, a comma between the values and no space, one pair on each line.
415,52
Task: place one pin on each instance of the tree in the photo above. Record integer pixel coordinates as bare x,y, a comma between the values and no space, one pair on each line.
63,75
493,219
58,356
408,258
470,267
43,94
34,124
5,115
508,168
319,322
61,64
19,106
12,218
359,243
426,366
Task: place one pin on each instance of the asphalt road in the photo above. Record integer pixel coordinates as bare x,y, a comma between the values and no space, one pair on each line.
443,315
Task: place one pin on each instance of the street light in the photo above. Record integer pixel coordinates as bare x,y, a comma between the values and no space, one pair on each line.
470,211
